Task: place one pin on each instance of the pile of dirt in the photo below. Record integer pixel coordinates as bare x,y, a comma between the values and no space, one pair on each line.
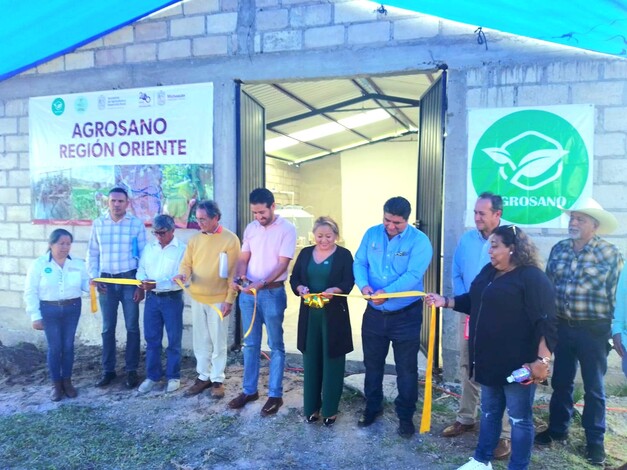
20,360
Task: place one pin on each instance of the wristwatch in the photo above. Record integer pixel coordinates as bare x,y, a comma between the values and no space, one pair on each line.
545,360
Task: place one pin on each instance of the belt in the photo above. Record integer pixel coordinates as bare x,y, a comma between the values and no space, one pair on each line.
167,293
126,275
401,310
580,323
272,285
60,303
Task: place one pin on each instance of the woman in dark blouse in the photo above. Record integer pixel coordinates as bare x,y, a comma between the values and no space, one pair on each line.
324,334
511,304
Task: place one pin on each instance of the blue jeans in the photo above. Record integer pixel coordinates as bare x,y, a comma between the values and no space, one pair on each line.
403,331
519,401
271,304
588,345
109,301
60,327
163,311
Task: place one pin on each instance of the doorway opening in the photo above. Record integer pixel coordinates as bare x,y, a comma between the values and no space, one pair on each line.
342,147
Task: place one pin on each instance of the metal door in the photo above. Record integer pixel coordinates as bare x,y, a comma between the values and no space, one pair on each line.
429,197
251,169
251,161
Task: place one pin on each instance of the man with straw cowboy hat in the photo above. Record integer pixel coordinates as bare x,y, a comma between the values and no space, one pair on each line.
584,270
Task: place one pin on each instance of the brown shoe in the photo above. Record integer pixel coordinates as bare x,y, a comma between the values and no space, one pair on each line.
69,389
503,449
199,386
217,390
272,406
240,400
457,429
57,391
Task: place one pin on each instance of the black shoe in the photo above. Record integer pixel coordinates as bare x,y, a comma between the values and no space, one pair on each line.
312,418
367,418
132,379
106,379
328,422
595,454
406,428
544,438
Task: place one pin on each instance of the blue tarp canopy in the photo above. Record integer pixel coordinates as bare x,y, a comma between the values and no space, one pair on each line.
32,32
35,31
595,25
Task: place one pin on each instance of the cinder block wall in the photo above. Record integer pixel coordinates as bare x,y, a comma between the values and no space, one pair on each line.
255,41
602,83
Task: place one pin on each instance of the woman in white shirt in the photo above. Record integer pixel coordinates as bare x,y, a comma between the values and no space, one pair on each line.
52,295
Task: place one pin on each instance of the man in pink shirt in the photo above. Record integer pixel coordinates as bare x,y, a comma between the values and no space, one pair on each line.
268,247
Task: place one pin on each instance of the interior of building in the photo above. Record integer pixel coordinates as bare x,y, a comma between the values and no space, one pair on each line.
341,148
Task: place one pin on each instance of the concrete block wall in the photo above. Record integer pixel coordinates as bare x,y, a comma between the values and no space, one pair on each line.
284,181
212,29
262,40
601,83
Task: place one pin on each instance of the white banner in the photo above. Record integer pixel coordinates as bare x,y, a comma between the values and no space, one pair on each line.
155,142
538,159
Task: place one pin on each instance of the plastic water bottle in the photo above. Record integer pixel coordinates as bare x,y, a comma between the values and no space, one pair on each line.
519,375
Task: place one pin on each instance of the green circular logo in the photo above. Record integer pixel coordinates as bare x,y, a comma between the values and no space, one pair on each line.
535,160
58,106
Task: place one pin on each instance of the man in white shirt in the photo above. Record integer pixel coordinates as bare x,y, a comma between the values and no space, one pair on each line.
158,264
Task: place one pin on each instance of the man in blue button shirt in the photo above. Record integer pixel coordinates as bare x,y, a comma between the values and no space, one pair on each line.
392,257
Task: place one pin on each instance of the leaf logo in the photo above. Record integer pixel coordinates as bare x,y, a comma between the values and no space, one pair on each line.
544,164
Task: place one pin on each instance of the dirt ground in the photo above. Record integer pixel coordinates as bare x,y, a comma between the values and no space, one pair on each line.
116,428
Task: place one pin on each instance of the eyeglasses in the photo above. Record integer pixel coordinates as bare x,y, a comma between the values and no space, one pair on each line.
514,229
159,233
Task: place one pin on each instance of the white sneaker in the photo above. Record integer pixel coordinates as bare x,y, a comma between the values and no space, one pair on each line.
146,386
473,464
173,385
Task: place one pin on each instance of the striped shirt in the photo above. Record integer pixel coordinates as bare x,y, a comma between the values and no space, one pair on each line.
585,281
115,247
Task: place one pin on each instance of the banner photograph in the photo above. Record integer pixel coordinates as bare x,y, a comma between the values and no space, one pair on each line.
538,159
157,143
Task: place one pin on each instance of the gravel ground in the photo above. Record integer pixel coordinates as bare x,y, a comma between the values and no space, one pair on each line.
115,428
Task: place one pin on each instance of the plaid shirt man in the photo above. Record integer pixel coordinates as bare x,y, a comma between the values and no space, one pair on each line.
585,282
115,247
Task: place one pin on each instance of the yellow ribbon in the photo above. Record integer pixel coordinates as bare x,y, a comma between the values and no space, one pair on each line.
314,300
92,298
108,280
118,280
252,321
216,309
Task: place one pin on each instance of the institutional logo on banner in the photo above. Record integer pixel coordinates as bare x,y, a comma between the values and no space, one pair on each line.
538,159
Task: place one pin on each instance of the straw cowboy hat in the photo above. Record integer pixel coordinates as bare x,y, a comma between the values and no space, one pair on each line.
607,222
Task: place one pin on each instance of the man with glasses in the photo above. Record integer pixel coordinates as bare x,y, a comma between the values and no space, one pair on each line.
392,257
471,255
208,265
115,245
158,264
584,270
